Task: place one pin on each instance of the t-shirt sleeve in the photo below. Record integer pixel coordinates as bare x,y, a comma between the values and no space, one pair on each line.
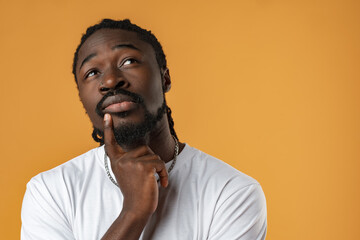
42,216
240,214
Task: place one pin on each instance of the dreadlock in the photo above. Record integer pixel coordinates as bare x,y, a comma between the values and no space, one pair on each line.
144,35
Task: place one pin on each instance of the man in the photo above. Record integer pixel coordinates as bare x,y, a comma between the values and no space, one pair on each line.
141,183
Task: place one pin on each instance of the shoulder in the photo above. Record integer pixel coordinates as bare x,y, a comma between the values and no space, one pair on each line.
210,178
50,199
67,177
72,168
234,199
212,170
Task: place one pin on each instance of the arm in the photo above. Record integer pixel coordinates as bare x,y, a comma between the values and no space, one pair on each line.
128,225
41,217
240,214
135,173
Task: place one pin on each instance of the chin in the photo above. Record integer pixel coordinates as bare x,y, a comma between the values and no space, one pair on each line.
132,134
126,119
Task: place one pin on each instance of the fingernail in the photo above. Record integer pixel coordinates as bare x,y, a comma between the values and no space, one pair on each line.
106,117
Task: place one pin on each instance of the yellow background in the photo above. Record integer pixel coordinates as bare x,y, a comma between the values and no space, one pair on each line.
271,87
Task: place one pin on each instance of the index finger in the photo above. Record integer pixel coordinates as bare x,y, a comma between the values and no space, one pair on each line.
111,146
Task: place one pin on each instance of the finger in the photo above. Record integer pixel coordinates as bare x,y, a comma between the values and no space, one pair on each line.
164,176
149,159
158,165
111,146
142,151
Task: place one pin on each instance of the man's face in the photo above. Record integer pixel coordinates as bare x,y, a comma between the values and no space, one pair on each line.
117,73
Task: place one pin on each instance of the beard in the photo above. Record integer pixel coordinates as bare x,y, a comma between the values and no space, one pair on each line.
132,134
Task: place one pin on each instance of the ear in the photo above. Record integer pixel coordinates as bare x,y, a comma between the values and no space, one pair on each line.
166,81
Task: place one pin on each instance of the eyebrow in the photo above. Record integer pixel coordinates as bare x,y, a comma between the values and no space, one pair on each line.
113,48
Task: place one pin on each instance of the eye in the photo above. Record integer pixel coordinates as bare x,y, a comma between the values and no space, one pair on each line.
129,61
91,73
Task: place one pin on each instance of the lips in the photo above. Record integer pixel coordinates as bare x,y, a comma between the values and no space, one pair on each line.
118,104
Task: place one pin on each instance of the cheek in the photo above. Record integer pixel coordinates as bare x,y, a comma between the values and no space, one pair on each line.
89,104
156,94
154,90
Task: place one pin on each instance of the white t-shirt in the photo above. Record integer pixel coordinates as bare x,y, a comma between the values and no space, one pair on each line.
205,199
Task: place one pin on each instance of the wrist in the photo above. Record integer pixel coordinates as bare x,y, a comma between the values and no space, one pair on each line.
129,225
135,217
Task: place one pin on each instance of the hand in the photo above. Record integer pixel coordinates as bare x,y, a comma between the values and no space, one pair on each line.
135,173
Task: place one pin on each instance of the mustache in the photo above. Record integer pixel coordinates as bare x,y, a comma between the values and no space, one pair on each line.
136,98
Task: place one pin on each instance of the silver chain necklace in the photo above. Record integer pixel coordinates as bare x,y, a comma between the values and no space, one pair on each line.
176,152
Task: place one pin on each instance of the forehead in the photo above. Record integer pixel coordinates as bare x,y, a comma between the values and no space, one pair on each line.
108,38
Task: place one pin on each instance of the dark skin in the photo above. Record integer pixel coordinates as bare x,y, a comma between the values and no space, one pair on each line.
114,58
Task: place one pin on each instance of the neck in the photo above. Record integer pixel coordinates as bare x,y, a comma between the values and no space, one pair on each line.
161,141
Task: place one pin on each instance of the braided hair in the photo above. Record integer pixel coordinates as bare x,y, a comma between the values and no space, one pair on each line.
144,35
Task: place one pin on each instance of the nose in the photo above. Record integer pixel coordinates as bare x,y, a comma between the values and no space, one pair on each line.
111,80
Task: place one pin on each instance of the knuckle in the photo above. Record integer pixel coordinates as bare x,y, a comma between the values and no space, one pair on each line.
139,166
142,148
123,166
154,157
146,149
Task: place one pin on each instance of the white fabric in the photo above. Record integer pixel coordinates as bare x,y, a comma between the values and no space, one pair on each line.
206,199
